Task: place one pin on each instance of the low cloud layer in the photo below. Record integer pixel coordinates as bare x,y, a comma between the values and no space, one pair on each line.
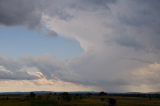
119,37
30,68
37,73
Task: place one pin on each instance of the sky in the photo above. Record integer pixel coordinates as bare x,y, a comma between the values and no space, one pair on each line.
80,45
19,41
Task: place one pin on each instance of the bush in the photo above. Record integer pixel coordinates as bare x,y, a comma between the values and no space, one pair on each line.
66,96
102,93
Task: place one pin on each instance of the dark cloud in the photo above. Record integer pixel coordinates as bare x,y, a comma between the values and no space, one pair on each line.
99,2
130,43
29,12
143,13
19,12
128,24
135,24
95,4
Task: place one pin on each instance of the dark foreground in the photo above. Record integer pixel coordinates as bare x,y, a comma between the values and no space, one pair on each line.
86,99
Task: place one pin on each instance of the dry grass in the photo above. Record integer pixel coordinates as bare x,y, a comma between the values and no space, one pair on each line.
52,100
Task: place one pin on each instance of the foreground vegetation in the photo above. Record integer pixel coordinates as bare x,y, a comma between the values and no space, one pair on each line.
66,99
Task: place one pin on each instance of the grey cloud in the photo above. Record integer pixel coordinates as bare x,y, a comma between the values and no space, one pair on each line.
142,60
49,66
129,42
142,19
52,33
99,2
143,13
15,75
133,24
29,12
130,23
30,68
96,4
19,12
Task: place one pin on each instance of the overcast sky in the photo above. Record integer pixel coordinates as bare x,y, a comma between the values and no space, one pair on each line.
80,45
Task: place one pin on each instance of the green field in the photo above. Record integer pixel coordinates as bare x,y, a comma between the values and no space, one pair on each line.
74,100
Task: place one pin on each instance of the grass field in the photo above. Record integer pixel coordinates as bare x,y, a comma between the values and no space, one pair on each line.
74,100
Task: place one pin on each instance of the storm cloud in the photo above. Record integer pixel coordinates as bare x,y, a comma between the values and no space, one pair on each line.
19,12
119,38
29,12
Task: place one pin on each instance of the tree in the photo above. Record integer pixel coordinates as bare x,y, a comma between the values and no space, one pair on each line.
102,93
32,95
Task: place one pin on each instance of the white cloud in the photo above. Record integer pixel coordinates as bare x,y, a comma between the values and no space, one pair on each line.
144,78
117,37
41,85
148,74
116,40
29,68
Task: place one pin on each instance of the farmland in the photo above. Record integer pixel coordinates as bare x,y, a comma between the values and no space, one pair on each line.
66,99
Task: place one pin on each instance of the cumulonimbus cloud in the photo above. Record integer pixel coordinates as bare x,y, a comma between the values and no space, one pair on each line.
117,37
